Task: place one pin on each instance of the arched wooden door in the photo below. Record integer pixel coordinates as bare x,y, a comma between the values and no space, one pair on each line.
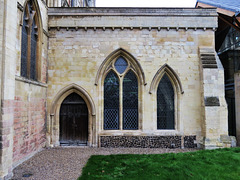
73,121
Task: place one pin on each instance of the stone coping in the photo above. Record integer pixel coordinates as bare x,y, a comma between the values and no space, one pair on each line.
133,18
126,11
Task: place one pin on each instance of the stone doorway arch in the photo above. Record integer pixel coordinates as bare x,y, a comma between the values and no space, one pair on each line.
53,126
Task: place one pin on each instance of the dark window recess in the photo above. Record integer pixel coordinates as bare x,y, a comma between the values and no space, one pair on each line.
231,41
231,116
227,45
24,45
121,65
165,104
33,51
111,101
130,101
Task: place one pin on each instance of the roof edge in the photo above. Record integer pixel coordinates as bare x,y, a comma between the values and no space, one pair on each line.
100,11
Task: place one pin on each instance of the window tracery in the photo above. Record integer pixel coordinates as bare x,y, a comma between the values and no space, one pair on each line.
167,88
121,97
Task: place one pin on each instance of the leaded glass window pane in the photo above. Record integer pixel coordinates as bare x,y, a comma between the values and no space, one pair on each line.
111,101
24,47
121,65
29,43
165,104
33,51
130,101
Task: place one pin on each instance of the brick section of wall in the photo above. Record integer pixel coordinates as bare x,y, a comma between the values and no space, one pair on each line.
29,127
7,107
140,141
7,110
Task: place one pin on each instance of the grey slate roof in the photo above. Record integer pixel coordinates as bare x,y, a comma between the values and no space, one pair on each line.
232,5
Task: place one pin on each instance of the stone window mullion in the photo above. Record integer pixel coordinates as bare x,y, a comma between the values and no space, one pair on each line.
121,103
24,43
29,48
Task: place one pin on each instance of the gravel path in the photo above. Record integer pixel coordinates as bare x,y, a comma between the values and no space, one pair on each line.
66,163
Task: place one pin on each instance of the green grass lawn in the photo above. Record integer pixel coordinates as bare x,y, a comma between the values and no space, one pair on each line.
205,164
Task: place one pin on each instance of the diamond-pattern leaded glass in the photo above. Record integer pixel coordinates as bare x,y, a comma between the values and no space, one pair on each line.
165,104
33,51
24,47
29,43
130,101
121,65
111,101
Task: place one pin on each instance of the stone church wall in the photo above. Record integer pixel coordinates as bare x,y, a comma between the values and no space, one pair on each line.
74,44
80,41
29,126
8,16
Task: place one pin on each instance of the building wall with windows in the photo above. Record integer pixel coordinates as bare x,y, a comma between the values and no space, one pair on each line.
30,80
115,77
84,52
23,97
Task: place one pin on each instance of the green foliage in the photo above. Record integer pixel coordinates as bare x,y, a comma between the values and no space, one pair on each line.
200,165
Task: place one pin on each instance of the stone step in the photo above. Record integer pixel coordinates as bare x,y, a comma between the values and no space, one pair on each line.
209,66
209,62
209,54
208,58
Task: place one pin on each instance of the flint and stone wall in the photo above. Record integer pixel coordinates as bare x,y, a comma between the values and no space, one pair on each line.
148,142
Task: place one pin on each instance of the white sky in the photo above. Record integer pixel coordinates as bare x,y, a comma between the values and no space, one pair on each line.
145,3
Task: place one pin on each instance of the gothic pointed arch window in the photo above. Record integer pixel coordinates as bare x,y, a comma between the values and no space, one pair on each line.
29,43
121,96
165,104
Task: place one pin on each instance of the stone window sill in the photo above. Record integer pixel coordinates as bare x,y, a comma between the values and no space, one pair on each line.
25,80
